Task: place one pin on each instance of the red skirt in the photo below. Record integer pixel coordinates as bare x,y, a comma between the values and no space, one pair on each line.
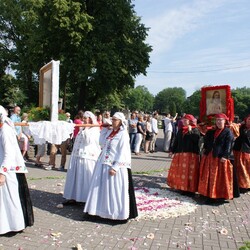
242,164
216,177
184,172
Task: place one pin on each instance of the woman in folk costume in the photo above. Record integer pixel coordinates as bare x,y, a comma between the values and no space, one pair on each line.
241,152
16,211
216,170
82,162
184,170
111,192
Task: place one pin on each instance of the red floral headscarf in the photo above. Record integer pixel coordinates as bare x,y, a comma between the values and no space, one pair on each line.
192,121
222,116
190,118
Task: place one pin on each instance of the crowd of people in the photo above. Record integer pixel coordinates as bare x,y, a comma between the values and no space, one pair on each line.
212,162
143,130
99,172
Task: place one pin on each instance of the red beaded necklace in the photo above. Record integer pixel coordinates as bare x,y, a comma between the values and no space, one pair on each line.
113,133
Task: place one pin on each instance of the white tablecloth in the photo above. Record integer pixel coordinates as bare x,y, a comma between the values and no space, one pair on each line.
52,132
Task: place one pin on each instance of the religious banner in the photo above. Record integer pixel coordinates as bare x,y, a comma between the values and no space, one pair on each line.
215,100
49,88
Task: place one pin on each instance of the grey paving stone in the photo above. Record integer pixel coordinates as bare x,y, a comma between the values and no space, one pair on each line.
46,191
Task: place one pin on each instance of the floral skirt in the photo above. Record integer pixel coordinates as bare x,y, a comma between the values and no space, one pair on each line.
242,164
184,172
216,177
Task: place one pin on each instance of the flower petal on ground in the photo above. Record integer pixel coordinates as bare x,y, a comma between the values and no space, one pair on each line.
155,203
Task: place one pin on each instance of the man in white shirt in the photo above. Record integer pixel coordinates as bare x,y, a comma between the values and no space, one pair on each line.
154,124
168,131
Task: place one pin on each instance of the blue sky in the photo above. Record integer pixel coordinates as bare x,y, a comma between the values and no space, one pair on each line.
196,43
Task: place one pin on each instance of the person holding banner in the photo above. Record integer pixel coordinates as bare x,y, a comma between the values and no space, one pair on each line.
111,194
216,170
82,162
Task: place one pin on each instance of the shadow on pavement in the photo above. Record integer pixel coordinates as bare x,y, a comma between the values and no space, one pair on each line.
151,157
149,181
48,202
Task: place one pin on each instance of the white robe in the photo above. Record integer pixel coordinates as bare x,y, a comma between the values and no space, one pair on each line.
108,195
82,163
11,162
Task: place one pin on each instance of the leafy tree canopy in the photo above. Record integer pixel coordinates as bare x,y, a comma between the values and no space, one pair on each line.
241,98
11,94
169,99
100,44
140,99
192,104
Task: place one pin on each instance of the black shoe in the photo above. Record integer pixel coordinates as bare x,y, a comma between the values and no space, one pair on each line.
187,193
69,202
39,165
216,201
244,190
210,201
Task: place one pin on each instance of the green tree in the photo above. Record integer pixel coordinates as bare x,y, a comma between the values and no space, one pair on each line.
18,29
164,100
11,94
111,101
241,98
140,99
64,28
192,104
172,107
100,44
116,51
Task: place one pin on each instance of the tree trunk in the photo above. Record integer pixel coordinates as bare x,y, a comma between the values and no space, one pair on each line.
32,91
82,97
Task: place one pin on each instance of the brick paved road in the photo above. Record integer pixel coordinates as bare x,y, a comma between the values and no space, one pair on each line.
210,227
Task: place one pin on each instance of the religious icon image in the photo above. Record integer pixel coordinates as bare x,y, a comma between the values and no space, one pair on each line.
214,105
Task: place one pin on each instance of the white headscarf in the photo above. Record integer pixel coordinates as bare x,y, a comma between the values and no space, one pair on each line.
4,117
121,116
90,115
3,114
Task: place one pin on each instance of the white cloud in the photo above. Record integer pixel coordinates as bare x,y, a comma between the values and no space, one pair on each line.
197,35
172,24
